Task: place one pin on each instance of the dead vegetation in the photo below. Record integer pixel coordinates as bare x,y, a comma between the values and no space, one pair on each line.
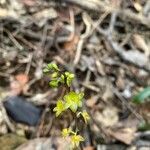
105,43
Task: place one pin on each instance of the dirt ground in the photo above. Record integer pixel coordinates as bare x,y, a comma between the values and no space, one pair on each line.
105,43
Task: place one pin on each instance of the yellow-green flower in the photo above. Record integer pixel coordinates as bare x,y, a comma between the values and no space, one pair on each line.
73,100
65,132
85,116
60,107
76,139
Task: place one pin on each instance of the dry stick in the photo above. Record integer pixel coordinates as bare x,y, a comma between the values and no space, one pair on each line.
82,38
146,9
69,38
27,70
39,68
97,5
94,5
139,59
91,87
117,48
24,41
145,64
89,31
112,23
16,43
33,35
78,52
116,92
40,55
30,45
110,30
96,24
108,33
128,14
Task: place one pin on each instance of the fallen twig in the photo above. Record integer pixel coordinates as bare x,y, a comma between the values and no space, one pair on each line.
97,5
82,38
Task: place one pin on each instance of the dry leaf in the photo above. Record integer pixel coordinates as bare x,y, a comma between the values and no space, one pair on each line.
22,79
92,101
144,110
108,117
70,46
125,135
141,44
17,85
120,83
3,12
108,94
100,67
137,6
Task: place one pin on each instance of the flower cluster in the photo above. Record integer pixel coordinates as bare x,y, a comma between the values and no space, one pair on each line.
71,101
75,138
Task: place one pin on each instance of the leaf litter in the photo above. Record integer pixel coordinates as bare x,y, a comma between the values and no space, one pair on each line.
104,43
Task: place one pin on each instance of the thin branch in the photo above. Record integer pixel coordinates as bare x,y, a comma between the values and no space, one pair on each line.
97,5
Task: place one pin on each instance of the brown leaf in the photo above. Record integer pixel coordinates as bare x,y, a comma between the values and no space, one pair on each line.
91,101
70,46
140,43
125,135
137,6
3,12
108,117
22,78
144,110
120,83
108,94
17,85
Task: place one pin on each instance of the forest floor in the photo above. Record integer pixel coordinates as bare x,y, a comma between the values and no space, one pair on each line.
105,43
